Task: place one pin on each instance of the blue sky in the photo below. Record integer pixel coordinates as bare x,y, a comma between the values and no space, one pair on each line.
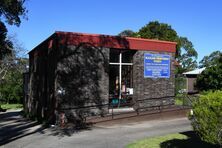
199,20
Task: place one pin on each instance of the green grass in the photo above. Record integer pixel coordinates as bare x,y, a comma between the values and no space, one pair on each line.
155,141
178,140
11,106
179,99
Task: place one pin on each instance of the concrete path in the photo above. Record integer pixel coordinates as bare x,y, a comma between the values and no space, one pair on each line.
117,136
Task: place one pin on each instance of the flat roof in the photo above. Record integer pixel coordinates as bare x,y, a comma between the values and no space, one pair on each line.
109,41
195,72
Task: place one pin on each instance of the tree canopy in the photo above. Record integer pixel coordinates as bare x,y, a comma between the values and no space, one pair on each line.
10,12
11,65
186,54
159,31
11,87
210,60
127,32
5,44
211,77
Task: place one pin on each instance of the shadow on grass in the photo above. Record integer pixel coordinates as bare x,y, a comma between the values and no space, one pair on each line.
193,141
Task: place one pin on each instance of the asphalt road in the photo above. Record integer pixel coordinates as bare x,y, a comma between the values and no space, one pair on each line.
16,132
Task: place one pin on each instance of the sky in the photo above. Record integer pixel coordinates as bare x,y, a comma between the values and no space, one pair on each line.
198,20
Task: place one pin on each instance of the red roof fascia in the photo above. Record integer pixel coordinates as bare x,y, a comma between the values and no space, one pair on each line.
97,40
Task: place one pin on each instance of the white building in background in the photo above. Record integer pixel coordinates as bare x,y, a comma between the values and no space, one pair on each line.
191,79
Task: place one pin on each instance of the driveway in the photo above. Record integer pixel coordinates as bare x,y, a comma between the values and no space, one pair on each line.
16,132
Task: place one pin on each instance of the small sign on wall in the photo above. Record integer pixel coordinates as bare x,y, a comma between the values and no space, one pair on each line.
156,65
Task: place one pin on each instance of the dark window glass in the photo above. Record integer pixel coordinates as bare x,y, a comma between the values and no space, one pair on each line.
114,55
127,56
114,80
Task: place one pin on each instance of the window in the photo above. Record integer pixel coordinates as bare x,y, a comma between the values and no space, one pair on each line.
121,72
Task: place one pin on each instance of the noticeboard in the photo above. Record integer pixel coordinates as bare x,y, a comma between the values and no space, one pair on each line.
156,65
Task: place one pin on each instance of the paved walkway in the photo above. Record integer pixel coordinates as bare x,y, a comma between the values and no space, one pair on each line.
20,133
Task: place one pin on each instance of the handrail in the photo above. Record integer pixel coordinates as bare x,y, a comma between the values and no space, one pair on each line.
111,106
91,106
155,98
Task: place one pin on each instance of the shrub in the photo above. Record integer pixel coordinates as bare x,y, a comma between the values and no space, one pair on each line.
207,120
11,87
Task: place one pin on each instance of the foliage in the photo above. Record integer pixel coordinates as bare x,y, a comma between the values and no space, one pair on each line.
10,11
159,31
211,77
178,100
207,120
5,44
210,60
11,82
128,33
186,54
16,55
11,87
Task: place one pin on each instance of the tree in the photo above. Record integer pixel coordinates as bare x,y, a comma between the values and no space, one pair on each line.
11,87
5,44
210,60
211,77
186,55
159,31
11,64
10,61
128,33
10,11
11,74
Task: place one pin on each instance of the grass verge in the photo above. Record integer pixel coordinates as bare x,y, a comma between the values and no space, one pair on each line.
179,99
11,106
179,140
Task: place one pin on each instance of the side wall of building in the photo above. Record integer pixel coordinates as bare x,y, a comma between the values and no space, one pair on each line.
36,103
150,92
41,96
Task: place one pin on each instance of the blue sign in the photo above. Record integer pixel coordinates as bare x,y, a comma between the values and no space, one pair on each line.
156,66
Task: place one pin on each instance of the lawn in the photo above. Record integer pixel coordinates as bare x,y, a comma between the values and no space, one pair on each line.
11,106
179,140
178,101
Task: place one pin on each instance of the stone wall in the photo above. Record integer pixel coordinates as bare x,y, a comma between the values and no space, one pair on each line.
68,79
150,92
82,85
